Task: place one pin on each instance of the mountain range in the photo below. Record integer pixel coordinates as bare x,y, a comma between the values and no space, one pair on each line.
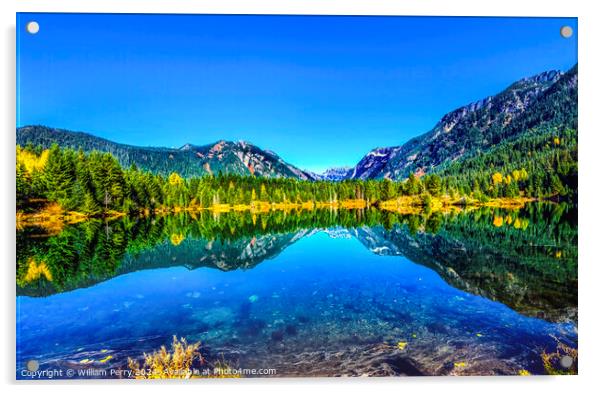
536,104
190,160
547,99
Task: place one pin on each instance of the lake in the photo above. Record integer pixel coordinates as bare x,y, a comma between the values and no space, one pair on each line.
312,293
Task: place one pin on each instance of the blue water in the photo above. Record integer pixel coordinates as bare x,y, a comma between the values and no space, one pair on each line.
324,306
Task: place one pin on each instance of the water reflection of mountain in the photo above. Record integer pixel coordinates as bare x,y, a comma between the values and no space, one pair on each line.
224,254
525,259
481,270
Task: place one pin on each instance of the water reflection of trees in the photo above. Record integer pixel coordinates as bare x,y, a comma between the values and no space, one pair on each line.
525,259
499,248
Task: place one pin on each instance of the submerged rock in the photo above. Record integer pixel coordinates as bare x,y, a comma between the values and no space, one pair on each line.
214,316
302,319
278,335
291,330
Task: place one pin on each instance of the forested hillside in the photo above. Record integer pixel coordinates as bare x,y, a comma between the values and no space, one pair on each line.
531,125
225,157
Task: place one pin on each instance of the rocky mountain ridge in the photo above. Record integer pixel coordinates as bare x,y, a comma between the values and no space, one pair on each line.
472,128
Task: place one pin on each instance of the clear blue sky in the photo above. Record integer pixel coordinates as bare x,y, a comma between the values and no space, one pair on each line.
319,91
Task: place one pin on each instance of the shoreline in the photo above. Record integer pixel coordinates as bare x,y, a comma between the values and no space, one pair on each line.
53,217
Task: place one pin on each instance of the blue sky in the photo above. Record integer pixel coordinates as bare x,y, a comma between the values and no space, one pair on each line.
320,91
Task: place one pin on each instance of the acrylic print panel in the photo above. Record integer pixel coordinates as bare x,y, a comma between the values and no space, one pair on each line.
275,196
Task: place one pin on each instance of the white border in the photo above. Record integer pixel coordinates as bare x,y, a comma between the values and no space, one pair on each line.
590,128
346,7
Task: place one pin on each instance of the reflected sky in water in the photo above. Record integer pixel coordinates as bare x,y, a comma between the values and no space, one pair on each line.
325,305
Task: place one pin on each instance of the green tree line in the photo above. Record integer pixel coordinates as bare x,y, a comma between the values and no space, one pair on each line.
94,183
542,163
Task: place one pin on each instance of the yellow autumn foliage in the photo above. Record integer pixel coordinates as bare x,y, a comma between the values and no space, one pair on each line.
497,178
498,221
517,223
175,179
175,363
524,224
520,174
31,161
552,362
516,175
35,270
176,238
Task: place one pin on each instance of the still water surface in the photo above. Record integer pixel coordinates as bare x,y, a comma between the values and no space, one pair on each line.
304,299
